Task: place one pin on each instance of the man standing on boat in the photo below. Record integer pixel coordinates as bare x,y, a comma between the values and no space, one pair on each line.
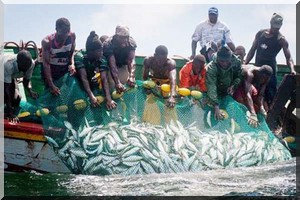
58,54
16,66
222,78
162,70
119,50
89,62
251,90
211,30
267,44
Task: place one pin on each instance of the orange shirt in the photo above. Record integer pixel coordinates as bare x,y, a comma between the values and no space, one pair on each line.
188,79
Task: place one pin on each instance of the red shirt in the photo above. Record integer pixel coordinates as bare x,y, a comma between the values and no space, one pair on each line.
188,79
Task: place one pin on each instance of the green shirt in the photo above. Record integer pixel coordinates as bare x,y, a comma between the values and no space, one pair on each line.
81,61
218,80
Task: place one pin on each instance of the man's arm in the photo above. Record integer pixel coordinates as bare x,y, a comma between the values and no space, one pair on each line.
287,54
231,46
252,49
194,47
28,87
146,69
110,104
172,77
114,73
86,86
131,68
8,96
72,69
46,66
248,84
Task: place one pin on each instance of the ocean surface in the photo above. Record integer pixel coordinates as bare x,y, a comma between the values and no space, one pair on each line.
276,179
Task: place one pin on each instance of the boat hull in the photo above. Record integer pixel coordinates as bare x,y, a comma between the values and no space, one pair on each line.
25,148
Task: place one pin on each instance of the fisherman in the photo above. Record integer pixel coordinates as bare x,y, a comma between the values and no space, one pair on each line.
193,74
267,44
251,90
89,62
119,50
16,66
222,77
209,30
240,51
58,54
162,70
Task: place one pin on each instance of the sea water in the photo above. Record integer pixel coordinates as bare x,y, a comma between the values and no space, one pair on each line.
274,179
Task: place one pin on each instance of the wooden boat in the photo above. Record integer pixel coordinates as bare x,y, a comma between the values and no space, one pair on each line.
26,148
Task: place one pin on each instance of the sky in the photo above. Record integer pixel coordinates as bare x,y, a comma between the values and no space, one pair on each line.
169,23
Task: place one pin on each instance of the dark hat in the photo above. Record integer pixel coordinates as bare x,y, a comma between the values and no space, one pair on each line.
224,53
93,42
276,20
213,10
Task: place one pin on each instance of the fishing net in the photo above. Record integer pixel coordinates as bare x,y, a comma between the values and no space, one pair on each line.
143,136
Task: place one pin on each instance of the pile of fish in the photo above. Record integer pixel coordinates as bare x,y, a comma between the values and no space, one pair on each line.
143,148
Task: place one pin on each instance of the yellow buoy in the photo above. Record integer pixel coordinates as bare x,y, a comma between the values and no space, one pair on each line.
23,114
42,112
224,113
165,87
289,139
61,109
80,104
116,95
196,94
100,99
149,84
184,91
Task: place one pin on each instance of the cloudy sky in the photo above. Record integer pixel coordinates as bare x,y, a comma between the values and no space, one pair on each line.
170,23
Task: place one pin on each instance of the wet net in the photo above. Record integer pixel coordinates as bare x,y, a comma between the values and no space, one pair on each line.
143,136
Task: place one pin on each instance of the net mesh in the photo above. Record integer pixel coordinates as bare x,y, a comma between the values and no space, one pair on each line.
143,136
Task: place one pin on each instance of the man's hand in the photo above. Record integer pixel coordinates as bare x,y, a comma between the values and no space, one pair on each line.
94,101
120,87
131,81
218,114
252,119
263,112
171,102
55,90
13,119
111,104
230,90
72,70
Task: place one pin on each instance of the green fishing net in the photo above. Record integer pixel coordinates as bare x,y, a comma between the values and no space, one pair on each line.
143,136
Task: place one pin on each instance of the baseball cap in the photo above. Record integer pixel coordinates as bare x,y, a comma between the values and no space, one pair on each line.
276,20
122,30
213,10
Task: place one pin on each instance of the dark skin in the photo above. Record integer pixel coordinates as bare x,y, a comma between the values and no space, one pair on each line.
61,36
284,45
213,18
252,76
163,68
122,42
27,85
93,56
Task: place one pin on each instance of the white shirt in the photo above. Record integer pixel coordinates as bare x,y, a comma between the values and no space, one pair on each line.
206,32
11,71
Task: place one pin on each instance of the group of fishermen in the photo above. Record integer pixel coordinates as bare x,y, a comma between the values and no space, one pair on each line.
219,70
